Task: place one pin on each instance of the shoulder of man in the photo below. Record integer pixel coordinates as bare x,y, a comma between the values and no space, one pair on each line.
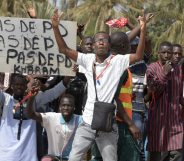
78,118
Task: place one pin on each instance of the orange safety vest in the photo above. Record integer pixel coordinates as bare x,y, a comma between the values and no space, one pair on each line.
125,96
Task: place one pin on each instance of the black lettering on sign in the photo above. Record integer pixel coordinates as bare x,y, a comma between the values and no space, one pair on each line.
41,59
37,70
23,26
13,41
54,71
2,41
11,54
1,25
60,59
27,43
23,70
10,27
45,71
31,58
21,58
64,30
50,58
48,42
17,69
68,62
32,26
46,26
35,43
30,69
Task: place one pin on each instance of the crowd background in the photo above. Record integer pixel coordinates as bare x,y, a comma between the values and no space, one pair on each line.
158,30
167,22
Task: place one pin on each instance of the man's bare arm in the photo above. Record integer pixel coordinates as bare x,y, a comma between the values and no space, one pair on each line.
63,48
31,113
140,49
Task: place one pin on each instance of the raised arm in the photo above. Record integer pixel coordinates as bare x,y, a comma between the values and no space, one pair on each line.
63,48
51,94
30,111
140,49
135,31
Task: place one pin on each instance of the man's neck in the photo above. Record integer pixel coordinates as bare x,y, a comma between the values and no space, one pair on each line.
67,118
18,97
100,59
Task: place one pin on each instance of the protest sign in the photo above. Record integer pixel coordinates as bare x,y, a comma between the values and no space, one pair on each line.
28,46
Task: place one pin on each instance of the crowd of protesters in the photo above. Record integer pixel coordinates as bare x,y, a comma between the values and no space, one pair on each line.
50,117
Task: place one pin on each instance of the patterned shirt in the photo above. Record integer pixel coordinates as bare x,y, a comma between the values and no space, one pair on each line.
165,129
138,71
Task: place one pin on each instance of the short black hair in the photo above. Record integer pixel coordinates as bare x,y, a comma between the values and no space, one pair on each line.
165,43
14,77
119,39
69,96
87,37
101,32
177,45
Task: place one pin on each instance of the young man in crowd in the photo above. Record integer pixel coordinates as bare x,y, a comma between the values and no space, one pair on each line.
17,131
60,127
165,126
177,59
177,53
108,70
128,132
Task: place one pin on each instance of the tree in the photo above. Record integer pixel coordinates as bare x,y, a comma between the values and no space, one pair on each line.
94,13
171,15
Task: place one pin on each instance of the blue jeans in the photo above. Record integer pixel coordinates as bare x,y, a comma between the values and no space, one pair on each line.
139,118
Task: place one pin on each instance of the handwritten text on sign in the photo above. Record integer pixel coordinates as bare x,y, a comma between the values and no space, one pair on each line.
28,46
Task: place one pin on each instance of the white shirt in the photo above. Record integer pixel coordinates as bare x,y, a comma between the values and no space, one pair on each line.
59,132
108,82
24,149
12,149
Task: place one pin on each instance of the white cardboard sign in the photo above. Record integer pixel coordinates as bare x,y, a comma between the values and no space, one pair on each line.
28,46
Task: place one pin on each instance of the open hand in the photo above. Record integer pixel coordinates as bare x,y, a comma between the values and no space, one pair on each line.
56,18
80,28
149,16
142,21
31,12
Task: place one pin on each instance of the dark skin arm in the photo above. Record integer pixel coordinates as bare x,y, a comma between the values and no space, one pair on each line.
139,52
133,129
63,48
148,96
136,31
31,113
80,28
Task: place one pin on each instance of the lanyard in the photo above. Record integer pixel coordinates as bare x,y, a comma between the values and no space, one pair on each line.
23,100
107,65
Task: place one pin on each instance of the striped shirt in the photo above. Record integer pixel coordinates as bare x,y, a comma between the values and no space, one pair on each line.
165,130
138,71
